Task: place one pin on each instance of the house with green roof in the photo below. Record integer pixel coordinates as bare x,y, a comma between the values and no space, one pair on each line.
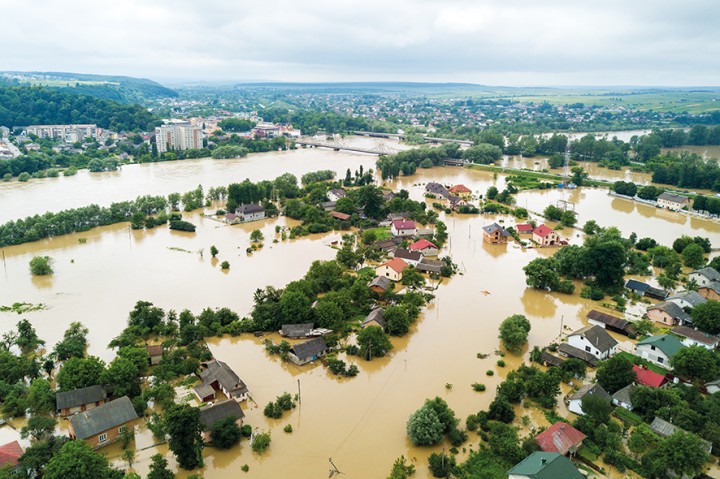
545,465
659,349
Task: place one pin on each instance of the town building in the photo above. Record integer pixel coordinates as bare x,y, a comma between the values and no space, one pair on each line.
659,349
308,351
245,213
334,195
104,424
495,234
543,235
218,376
593,340
462,191
545,465
66,133
79,400
648,377
212,413
561,437
392,269
704,276
672,201
403,228
594,390
178,136
668,313
695,337
425,247
623,397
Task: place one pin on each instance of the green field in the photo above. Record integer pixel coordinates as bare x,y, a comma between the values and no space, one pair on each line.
67,83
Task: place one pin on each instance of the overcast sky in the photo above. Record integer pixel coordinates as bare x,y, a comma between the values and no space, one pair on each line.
493,42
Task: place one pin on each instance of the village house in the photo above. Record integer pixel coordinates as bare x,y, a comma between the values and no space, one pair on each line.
79,400
436,190
704,276
388,195
663,428
245,213
710,291
328,205
155,353
375,318
713,386
387,245
570,351
410,257
380,284
623,397
217,376
308,351
575,401
212,413
340,216
10,455
694,337
462,191
645,289
430,266
611,323
687,299
425,247
561,437
403,228
392,269
668,313
456,202
104,424
545,465
659,349
594,340
673,202
495,234
295,331
543,235
524,229
648,377
334,195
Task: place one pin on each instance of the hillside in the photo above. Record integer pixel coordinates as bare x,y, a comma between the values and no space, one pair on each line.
118,88
24,105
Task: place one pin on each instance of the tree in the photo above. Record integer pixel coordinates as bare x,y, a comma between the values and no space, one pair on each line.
441,465
373,342
424,427
401,469
38,427
491,193
27,339
225,265
40,397
159,468
693,256
706,316
695,363
122,374
214,251
183,426
412,277
596,409
501,410
256,236
397,320
128,456
77,459
74,342
682,454
261,442
540,274
41,266
225,433
78,373
514,331
136,355
615,373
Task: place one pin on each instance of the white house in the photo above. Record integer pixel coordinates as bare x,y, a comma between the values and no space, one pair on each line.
594,340
403,228
623,397
410,257
694,337
704,276
673,202
334,195
687,299
575,401
392,269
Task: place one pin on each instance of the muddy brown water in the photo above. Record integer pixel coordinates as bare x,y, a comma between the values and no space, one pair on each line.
359,422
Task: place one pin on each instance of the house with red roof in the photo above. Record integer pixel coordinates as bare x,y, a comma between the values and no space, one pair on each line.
425,247
649,378
462,191
543,235
10,454
340,216
403,228
524,229
392,269
560,437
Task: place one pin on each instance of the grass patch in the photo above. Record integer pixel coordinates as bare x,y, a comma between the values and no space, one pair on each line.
643,362
627,417
586,453
381,233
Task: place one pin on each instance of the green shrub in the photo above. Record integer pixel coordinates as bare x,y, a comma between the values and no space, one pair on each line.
479,387
490,372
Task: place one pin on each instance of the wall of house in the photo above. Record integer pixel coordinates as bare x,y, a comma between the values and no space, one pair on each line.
576,407
622,404
700,279
708,293
582,343
389,273
84,407
113,435
660,316
654,356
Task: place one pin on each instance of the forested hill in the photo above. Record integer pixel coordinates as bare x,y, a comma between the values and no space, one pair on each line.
22,106
109,87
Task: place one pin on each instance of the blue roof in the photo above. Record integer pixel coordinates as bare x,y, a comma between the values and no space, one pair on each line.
637,285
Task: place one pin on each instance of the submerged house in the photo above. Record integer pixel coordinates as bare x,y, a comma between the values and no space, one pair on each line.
302,330
308,351
495,234
104,424
245,213
79,400
611,323
212,413
543,235
218,376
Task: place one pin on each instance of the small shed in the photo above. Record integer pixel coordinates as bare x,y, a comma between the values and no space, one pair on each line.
155,353
301,330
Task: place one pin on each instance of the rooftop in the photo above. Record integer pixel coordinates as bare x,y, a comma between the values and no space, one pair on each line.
78,397
109,415
542,231
212,413
591,390
396,264
309,348
666,343
597,336
695,335
546,465
560,437
672,197
647,377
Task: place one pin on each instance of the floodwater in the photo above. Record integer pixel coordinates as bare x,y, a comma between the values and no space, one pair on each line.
596,172
358,422
707,151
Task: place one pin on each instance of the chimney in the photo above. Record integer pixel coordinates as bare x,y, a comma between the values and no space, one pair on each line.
543,461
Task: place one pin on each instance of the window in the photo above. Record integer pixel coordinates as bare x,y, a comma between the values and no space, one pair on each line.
661,360
102,437
587,348
652,348
122,429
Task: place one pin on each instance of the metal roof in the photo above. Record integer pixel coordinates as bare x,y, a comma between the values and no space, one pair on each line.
102,418
78,397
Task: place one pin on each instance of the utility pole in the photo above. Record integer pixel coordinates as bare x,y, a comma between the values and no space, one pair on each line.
299,396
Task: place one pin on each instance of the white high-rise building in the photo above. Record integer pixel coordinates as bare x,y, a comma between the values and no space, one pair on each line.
178,136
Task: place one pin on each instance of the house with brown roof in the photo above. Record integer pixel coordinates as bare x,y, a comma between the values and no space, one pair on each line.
694,337
155,353
218,376
560,437
524,229
10,454
79,400
380,284
410,257
611,323
340,216
495,234
104,424
593,340
462,191
392,269
543,235
212,413
668,313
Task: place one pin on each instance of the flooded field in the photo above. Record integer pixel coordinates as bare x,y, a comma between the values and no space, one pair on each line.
359,422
